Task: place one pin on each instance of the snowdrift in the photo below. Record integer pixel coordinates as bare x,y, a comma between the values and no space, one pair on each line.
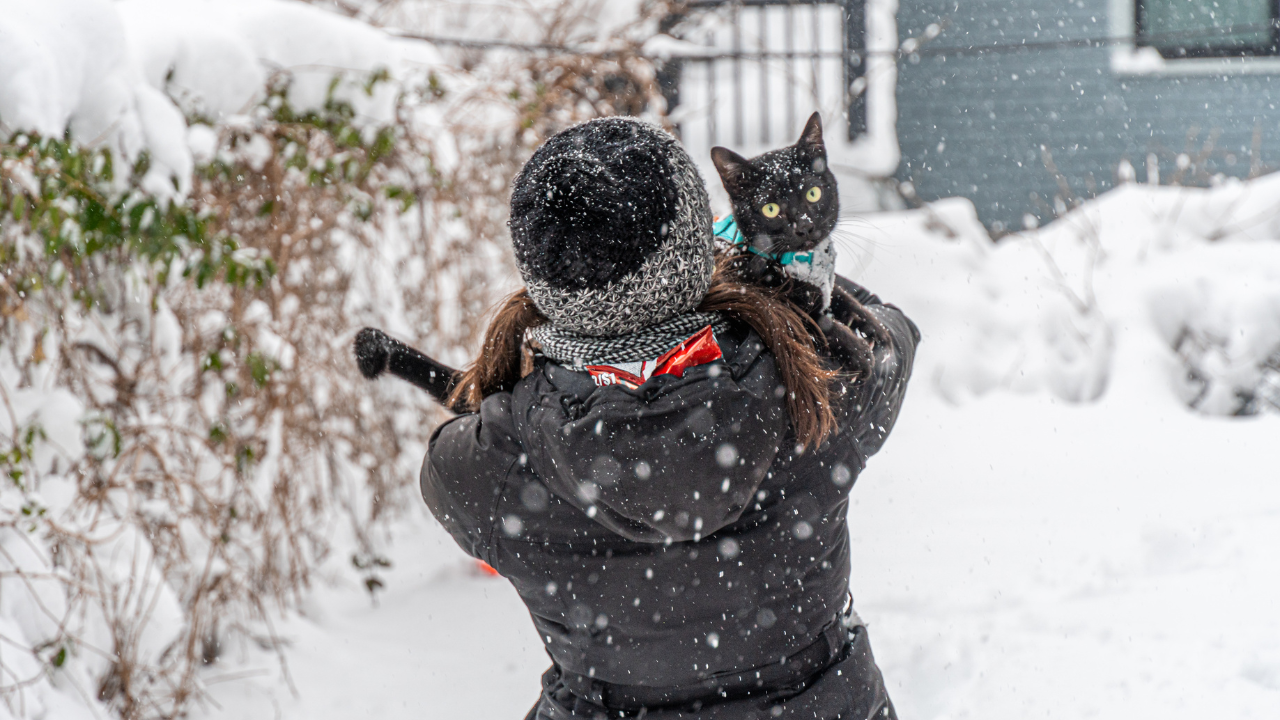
1144,287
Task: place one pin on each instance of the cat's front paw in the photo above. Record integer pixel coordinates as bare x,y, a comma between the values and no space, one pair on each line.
866,323
808,299
373,352
850,349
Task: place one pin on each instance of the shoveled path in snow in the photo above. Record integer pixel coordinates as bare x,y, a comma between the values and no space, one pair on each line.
1014,558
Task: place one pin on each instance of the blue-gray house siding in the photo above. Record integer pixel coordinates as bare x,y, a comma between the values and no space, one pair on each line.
975,110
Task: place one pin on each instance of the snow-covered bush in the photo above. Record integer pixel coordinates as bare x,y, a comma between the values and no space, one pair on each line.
1222,319
200,346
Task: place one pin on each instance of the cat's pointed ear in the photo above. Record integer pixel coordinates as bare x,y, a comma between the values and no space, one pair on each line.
811,136
735,170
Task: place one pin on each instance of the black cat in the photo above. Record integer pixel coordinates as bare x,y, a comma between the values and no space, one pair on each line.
785,205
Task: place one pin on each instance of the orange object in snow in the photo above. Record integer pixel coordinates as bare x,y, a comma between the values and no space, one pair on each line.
486,569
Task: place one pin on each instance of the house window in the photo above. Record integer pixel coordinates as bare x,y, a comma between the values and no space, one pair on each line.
1208,28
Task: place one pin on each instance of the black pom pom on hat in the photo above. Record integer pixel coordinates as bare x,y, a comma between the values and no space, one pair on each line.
611,227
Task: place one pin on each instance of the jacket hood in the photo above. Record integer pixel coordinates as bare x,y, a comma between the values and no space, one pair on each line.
636,460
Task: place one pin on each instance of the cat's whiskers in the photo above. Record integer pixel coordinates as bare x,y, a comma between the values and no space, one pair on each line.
852,241
864,247
773,243
867,241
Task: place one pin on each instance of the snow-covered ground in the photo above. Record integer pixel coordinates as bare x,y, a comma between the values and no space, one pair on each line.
1016,555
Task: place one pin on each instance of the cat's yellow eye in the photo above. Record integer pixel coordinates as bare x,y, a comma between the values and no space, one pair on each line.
814,194
770,210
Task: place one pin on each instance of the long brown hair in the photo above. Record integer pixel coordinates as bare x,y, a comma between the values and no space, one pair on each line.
501,360
787,332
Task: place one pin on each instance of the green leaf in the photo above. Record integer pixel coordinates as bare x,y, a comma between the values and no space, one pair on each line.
260,368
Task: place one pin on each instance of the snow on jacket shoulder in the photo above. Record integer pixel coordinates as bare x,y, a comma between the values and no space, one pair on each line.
670,535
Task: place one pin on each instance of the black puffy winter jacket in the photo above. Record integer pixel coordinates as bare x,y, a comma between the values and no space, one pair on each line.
679,556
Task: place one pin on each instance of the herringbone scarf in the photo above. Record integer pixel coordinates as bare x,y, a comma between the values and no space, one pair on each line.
577,351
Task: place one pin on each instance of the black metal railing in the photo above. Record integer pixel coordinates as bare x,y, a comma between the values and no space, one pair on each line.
788,59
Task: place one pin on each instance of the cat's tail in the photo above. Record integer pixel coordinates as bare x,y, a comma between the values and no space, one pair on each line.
377,353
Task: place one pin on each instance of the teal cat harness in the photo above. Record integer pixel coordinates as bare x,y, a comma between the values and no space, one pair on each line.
726,229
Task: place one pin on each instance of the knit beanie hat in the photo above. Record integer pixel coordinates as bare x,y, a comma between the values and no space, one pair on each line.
611,226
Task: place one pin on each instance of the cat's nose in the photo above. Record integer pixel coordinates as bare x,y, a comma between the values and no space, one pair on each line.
802,228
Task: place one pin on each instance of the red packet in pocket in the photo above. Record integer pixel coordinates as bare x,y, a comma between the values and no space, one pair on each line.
700,349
